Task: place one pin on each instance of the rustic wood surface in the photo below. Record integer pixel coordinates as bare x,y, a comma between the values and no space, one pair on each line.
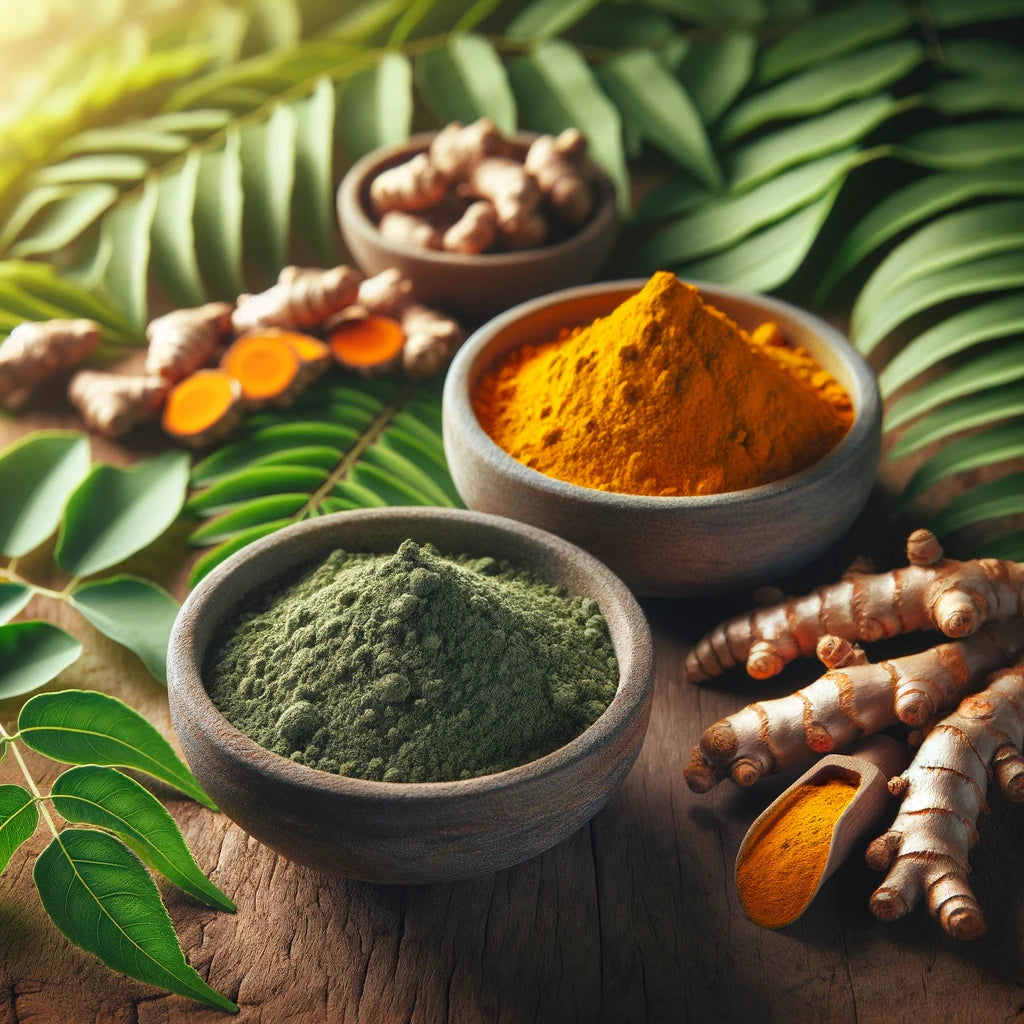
632,919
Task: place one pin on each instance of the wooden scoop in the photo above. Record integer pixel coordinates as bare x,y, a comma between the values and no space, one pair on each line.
868,767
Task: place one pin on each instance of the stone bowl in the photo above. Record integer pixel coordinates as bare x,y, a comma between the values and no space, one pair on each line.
670,546
408,832
468,285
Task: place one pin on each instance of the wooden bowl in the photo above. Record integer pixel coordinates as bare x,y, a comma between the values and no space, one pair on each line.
465,284
670,545
408,832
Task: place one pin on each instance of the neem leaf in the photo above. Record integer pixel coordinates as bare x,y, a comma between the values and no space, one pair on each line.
1004,497
258,482
957,96
986,58
116,512
13,597
314,153
37,476
217,220
655,103
375,106
268,174
466,80
134,138
830,35
1003,366
961,147
255,512
89,727
954,13
724,12
18,819
715,73
995,319
127,228
543,19
174,244
63,221
615,27
31,654
135,612
101,167
211,559
824,87
102,898
108,799
557,90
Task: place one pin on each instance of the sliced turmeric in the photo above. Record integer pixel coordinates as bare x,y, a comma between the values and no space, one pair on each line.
203,408
369,345
267,367
314,355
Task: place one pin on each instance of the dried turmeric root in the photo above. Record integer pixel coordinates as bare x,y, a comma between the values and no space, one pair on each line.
431,339
268,368
474,231
34,351
456,149
302,297
113,403
415,185
204,408
185,340
512,192
926,849
852,700
370,344
556,164
388,292
931,593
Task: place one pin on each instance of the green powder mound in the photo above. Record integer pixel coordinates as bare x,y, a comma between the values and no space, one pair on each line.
413,667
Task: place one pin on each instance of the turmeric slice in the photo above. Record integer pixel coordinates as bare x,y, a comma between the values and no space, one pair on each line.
203,408
267,367
369,345
314,355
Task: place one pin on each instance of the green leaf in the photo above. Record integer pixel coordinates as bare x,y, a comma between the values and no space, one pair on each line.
211,559
763,158
217,220
846,78
63,221
958,96
134,612
976,410
986,58
542,19
174,244
557,90
954,13
13,597
1009,546
89,727
19,817
999,444
715,73
991,274
310,456
655,103
617,27
724,12
996,319
37,476
314,183
115,512
1003,366
110,800
127,228
31,654
397,466
375,107
672,198
256,512
268,174
97,167
770,257
258,482
466,80
1004,497
125,139
962,147
832,34
725,220
917,202
204,121
100,896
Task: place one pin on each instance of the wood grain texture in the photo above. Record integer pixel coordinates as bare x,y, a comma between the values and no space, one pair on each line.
632,919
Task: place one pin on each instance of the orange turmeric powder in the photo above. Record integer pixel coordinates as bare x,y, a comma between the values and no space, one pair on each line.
664,396
781,866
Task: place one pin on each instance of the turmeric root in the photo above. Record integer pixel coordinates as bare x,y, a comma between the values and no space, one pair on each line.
852,700
302,297
456,149
370,345
431,339
184,340
268,369
113,403
474,231
314,355
931,593
388,292
204,408
415,185
526,235
926,849
34,351
510,190
410,229
556,165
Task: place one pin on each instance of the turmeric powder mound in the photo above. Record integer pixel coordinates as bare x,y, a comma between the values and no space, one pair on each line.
664,396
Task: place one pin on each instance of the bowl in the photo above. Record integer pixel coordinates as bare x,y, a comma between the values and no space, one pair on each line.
408,832
670,546
466,284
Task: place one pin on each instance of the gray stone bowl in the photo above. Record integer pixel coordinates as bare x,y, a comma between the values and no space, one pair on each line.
408,832
466,284
670,546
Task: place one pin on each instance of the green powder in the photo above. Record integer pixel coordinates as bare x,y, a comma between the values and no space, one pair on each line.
413,666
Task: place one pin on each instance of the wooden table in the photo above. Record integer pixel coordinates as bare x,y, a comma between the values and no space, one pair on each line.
634,918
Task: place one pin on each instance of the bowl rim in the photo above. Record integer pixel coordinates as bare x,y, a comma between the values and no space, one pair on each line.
353,216
634,688
458,405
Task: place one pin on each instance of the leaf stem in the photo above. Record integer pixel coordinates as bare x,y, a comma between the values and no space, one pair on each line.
30,782
14,577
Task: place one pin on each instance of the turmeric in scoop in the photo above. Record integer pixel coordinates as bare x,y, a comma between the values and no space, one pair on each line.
664,396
